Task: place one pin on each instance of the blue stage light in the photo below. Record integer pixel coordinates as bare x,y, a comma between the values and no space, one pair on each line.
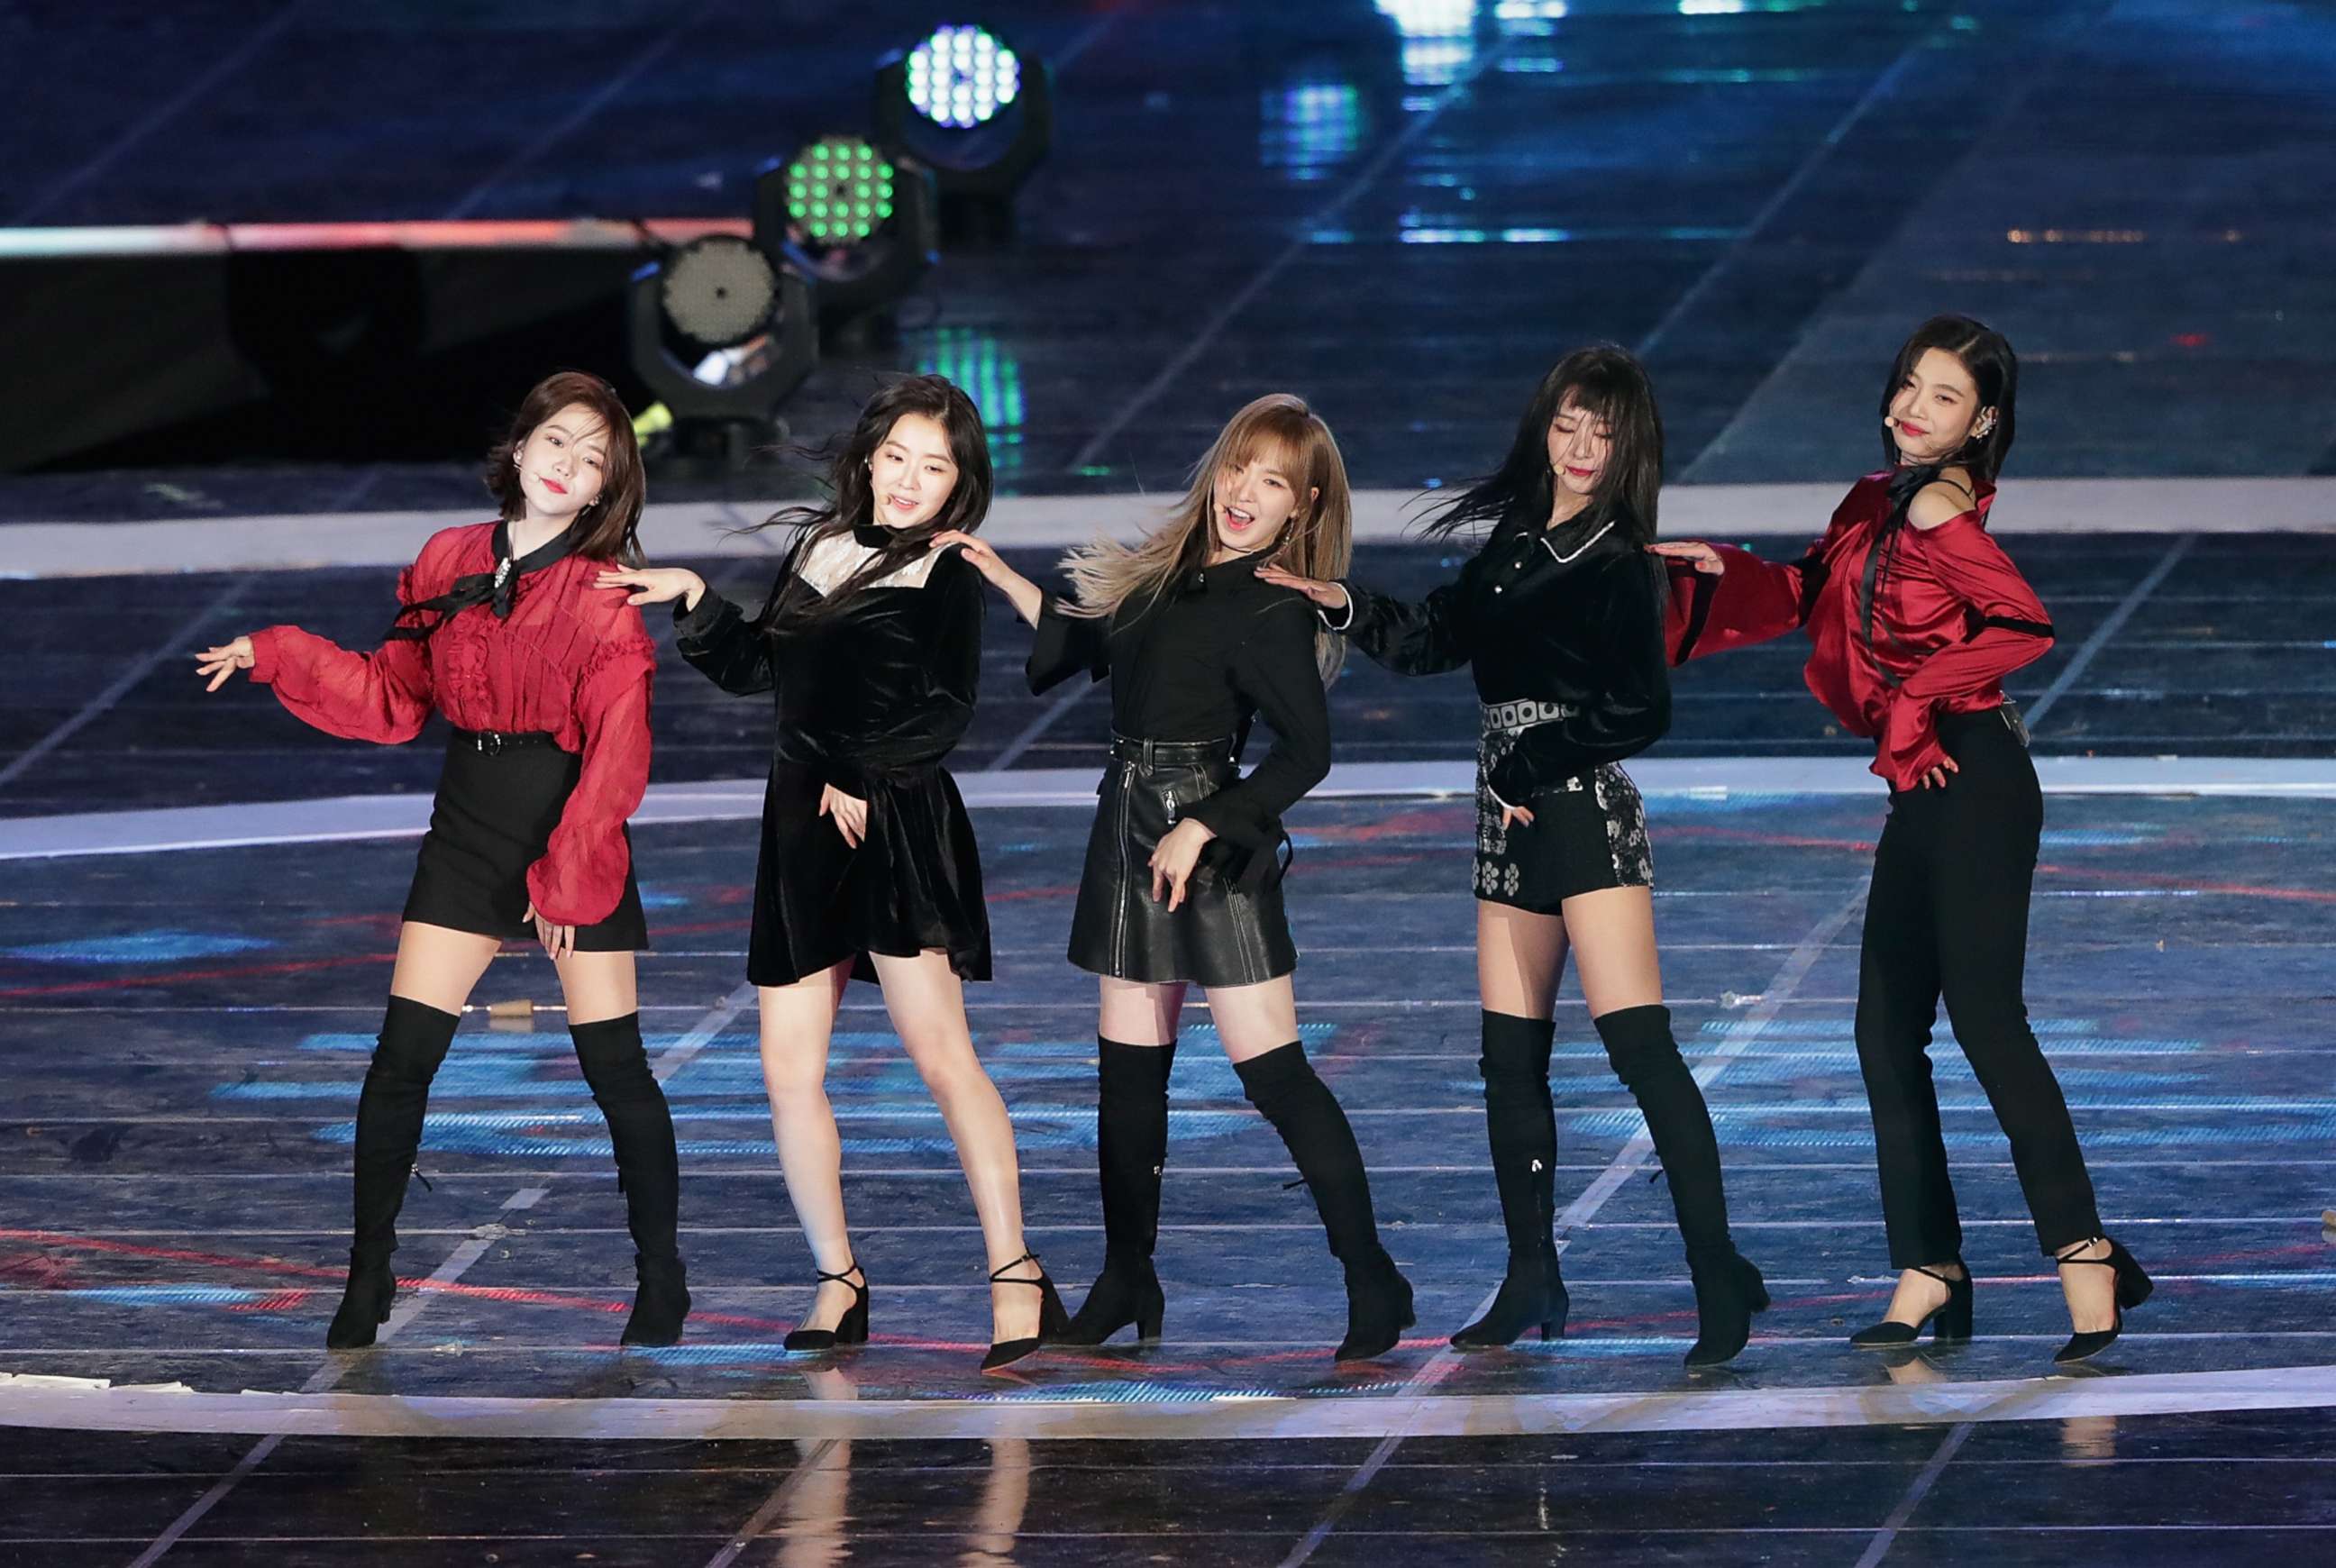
961,76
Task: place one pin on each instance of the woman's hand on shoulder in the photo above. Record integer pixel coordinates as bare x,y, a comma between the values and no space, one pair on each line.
655,584
1328,595
1694,551
1020,593
221,662
979,552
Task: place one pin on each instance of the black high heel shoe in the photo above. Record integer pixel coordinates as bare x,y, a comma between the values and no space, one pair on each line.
1053,1323
1950,1320
1728,1291
1113,1301
2133,1288
365,1304
851,1329
1532,1297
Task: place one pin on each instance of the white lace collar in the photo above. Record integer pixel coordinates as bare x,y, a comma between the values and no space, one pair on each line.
827,564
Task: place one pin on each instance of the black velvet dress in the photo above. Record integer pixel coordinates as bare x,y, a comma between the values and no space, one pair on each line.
871,701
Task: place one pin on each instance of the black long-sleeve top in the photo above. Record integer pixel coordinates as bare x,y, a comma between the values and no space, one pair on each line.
1214,649
1570,614
874,693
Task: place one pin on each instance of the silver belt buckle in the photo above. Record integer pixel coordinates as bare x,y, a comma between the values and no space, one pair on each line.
2012,721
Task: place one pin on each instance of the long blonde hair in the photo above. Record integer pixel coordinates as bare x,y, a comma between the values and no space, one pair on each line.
1318,541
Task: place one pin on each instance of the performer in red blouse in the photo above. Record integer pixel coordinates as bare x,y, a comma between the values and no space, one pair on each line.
546,680
1917,615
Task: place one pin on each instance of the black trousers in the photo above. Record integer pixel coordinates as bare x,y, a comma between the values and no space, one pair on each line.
1948,917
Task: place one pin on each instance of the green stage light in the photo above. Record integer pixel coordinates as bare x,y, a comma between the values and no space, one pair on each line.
840,191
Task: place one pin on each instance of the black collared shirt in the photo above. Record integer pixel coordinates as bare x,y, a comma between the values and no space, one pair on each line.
1216,648
1571,615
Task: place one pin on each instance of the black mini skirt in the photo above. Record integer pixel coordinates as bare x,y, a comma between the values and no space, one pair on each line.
498,798
1588,832
1221,934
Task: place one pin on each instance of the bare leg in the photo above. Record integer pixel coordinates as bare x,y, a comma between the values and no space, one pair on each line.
1136,1014
437,966
927,1002
1520,957
597,987
797,1021
1613,935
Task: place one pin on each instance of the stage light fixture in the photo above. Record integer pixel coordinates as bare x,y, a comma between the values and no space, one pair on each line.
961,77
718,290
965,103
838,189
721,333
863,225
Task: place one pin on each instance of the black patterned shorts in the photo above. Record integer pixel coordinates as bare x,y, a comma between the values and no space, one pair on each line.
1588,833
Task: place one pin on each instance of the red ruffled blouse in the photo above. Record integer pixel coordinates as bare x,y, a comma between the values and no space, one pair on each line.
572,661
1951,618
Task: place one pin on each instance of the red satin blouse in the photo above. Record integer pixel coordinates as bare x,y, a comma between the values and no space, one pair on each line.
1951,616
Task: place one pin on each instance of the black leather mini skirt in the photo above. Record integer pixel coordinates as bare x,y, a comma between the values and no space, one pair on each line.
1222,934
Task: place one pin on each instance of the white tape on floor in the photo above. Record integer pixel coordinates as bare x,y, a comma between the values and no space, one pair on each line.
379,816
42,1403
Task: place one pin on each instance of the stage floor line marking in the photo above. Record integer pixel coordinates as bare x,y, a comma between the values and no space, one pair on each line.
341,818
42,1403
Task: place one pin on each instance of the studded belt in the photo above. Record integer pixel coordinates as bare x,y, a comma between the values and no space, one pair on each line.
1524,714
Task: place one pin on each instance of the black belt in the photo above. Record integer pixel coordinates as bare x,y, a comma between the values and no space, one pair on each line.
2007,716
496,741
1171,753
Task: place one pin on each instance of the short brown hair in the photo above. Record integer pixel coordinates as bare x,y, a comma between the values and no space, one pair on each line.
612,524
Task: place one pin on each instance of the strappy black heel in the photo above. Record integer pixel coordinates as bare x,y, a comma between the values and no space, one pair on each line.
2133,1288
1054,1322
1950,1320
851,1329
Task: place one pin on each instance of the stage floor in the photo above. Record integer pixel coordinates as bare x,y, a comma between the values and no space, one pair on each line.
187,1031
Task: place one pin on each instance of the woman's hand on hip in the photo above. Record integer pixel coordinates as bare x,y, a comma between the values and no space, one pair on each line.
849,811
1173,861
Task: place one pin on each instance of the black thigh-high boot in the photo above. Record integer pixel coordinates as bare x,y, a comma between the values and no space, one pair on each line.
1131,1149
413,1040
648,1170
1727,1289
1282,1086
1521,1124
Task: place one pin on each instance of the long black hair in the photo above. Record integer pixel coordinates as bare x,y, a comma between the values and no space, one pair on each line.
851,501
1609,385
1994,369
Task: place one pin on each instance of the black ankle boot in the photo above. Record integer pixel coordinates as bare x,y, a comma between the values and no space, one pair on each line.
364,1303
1282,1086
1727,1291
1521,1125
660,1303
648,1170
414,1038
1131,1149
1378,1310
